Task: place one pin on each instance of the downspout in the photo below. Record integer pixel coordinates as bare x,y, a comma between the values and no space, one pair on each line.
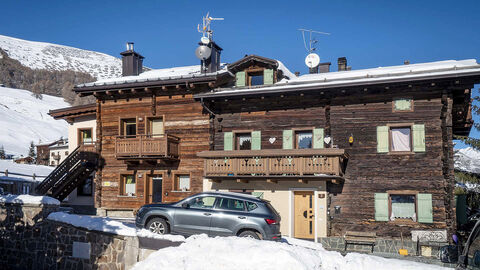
206,108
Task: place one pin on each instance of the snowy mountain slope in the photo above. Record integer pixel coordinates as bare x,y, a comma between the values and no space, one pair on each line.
24,119
467,160
42,55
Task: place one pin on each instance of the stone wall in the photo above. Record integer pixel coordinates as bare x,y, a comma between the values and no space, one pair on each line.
29,241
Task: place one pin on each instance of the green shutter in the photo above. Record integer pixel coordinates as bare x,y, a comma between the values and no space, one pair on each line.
288,139
418,138
318,138
425,211
256,140
267,76
228,141
258,194
240,78
382,139
403,104
381,206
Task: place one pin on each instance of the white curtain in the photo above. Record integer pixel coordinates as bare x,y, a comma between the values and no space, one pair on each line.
184,182
401,139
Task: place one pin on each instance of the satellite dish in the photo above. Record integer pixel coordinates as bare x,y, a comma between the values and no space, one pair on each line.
312,60
205,40
203,52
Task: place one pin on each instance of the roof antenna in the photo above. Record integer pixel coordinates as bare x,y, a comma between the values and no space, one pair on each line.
312,60
207,32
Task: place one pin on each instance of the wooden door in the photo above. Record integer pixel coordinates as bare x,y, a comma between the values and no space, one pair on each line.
304,225
154,189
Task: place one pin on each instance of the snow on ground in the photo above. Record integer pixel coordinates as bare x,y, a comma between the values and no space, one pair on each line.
28,199
201,252
28,169
24,118
42,55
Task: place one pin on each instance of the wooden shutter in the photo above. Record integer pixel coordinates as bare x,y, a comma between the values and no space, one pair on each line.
418,138
228,141
382,139
318,138
381,206
267,76
288,139
425,210
240,78
256,140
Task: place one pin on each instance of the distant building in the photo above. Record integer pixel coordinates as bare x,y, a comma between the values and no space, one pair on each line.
43,153
58,152
24,160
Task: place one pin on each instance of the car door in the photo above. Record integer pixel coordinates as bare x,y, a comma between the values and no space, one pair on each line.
196,217
228,215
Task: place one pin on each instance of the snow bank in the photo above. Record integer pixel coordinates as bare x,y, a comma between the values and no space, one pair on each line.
28,199
24,118
28,169
170,237
201,252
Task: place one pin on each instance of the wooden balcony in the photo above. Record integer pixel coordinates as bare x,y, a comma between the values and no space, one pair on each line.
147,147
88,147
275,163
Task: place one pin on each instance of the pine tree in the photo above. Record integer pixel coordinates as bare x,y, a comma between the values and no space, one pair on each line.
31,151
2,153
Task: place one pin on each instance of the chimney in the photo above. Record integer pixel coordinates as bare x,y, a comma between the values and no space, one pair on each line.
313,70
132,62
324,67
297,73
406,62
212,64
342,63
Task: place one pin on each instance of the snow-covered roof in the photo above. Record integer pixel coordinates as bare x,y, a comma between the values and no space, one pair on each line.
411,72
28,199
185,72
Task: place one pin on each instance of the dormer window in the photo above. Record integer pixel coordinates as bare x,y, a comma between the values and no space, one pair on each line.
254,77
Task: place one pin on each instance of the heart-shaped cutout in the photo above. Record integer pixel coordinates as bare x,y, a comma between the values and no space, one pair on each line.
272,140
327,140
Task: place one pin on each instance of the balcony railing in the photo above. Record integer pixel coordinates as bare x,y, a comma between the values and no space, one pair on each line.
275,162
88,147
147,146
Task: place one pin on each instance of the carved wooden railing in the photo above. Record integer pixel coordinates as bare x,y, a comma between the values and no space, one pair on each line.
142,146
275,162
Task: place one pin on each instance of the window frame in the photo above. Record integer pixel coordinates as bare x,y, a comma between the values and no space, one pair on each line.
122,187
406,193
217,204
235,133
80,137
176,177
299,130
390,139
122,127
400,98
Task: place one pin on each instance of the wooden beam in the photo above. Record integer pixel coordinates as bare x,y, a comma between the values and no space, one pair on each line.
242,181
148,90
272,181
214,181
303,181
211,84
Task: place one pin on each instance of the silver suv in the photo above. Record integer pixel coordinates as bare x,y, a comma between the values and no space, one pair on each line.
215,214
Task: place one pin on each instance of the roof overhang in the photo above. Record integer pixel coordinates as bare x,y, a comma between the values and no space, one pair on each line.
72,112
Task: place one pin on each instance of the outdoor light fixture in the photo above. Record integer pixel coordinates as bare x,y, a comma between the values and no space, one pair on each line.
350,139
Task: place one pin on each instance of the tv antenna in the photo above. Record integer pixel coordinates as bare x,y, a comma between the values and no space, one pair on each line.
312,41
207,32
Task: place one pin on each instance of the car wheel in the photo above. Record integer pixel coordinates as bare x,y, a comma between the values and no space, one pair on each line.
250,234
158,226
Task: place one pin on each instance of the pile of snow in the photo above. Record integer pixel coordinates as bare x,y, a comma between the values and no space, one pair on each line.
28,199
201,252
467,160
171,237
24,118
27,169
42,55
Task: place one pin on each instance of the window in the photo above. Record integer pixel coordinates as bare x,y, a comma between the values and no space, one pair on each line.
255,78
66,153
85,188
303,139
243,141
85,136
402,207
231,204
155,127
182,183
202,202
128,127
129,186
401,139
251,206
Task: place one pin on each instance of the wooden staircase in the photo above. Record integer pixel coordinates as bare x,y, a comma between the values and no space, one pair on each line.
76,168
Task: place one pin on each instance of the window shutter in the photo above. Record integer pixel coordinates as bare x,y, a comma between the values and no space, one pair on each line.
256,140
381,206
425,211
240,78
418,138
403,104
267,76
228,141
288,139
382,139
318,138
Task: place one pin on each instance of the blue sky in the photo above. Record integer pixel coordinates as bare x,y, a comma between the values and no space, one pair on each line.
368,33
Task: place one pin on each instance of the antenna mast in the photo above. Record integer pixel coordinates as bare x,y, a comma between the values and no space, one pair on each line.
206,31
312,41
